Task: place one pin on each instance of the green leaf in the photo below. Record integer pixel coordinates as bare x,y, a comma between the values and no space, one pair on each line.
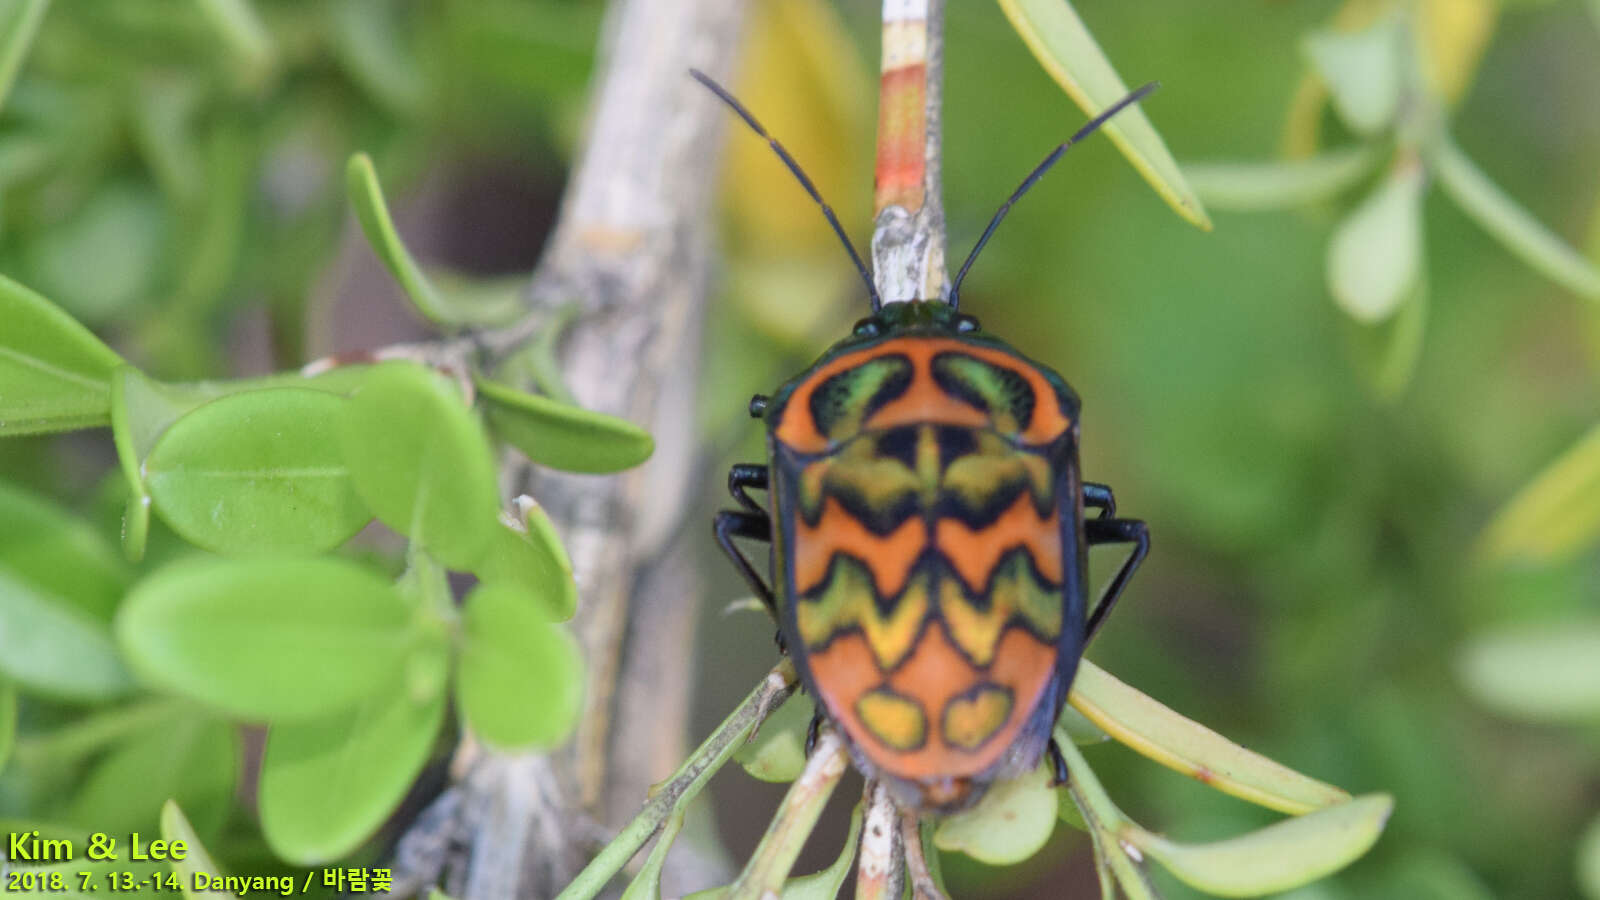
8,721
1363,72
1068,52
372,211
563,436
136,527
1537,673
1276,858
421,462
825,885
244,35
369,41
1510,224
192,759
530,558
49,645
1387,353
1075,727
1589,861
258,472
19,32
777,753
326,785
1011,823
267,638
1193,749
1556,515
124,229
175,827
647,884
141,411
54,374
1375,258
520,681
1283,184
59,554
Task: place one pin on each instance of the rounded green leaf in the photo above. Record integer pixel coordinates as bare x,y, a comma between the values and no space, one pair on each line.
58,554
777,752
1069,53
267,638
191,759
49,644
1556,515
1011,823
54,373
107,254
175,826
531,559
563,436
327,784
1363,72
257,472
1537,673
421,462
521,677
1375,258
1279,857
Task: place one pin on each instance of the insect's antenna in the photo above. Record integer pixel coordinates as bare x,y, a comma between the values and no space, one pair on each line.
1037,173
799,174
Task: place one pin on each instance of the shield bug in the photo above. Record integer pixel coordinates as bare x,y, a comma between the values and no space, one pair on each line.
928,537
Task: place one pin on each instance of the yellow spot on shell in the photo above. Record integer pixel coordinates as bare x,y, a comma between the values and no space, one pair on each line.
895,720
974,717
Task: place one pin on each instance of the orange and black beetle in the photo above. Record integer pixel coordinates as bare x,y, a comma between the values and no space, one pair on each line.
928,539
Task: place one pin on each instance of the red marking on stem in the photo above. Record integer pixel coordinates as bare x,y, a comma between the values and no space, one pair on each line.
902,132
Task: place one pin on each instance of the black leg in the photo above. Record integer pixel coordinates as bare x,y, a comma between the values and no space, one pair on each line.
813,729
1115,531
1058,763
747,475
1099,496
731,524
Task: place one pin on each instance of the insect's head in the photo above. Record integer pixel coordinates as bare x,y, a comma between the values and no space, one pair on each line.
921,316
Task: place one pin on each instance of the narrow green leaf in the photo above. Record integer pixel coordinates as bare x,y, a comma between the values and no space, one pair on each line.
372,211
1537,673
1074,726
521,678
1283,184
54,373
1375,258
8,721
421,462
647,884
192,759
563,436
777,752
1068,52
1363,72
825,885
369,41
20,30
1193,749
258,472
136,527
530,558
141,411
1589,844
1279,857
267,638
175,827
1012,822
249,44
1554,516
1387,353
326,785
1510,224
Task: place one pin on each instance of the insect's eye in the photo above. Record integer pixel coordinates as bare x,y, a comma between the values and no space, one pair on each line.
966,323
867,328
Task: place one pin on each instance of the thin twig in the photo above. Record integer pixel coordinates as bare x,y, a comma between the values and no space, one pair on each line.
908,238
880,871
923,885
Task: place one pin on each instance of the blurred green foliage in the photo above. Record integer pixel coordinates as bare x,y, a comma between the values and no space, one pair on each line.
1323,587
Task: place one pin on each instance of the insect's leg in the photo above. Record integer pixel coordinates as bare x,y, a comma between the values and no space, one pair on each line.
1115,531
1099,496
814,729
732,523
1058,763
747,475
